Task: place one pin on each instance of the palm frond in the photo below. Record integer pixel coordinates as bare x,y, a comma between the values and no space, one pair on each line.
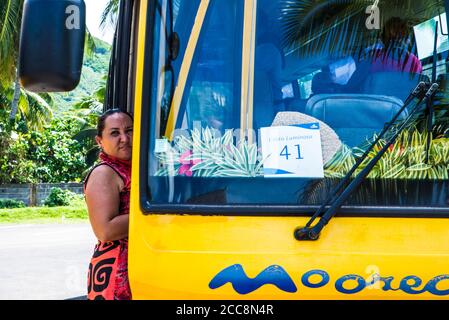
110,12
88,133
405,159
312,27
10,17
34,109
90,46
206,153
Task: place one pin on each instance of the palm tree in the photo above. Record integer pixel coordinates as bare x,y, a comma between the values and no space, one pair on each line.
33,108
92,105
313,26
10,17
89,106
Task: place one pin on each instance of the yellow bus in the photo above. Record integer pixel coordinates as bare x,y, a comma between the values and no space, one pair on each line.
283,149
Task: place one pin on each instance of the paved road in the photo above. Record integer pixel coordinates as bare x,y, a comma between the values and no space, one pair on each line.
44,261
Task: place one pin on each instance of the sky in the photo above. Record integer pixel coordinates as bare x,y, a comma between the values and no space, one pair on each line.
94,9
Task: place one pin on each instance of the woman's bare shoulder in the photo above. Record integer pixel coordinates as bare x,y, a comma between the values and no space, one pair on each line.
104,175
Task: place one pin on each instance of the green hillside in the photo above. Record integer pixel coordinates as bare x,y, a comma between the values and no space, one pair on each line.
93,75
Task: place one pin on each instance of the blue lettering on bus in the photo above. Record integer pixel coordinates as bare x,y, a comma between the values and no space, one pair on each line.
324,278
432,285
387,283
339,285
242,284
278,277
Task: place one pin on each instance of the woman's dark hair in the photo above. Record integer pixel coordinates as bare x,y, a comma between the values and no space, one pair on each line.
394,30
105,115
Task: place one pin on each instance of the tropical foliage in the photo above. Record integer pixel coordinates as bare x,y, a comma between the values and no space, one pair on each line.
45,137
50,155
33,110
10,17
35,149
59,197
405,159
206,154
92,83
110,13
88,110
11,203
314,26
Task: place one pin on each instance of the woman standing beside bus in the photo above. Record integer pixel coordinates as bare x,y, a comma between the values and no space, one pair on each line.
106,189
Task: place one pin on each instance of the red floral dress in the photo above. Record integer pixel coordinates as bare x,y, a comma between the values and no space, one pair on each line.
108,269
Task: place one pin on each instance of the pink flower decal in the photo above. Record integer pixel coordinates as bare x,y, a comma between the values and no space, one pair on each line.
186,165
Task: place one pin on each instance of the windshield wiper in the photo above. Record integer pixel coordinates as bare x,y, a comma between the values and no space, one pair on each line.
429,110
341,193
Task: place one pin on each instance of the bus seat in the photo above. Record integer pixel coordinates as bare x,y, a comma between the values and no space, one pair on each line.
395,84
295,104
354,117
322,83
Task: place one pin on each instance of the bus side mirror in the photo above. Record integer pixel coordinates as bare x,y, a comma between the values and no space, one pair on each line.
52,44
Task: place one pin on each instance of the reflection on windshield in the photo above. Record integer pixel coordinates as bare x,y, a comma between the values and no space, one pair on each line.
328,70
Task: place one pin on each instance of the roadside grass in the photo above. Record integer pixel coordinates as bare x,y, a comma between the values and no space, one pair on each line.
76,212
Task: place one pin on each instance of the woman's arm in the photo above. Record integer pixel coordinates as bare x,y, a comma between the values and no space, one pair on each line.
103,200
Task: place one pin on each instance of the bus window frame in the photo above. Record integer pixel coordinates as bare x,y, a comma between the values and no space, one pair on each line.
240,210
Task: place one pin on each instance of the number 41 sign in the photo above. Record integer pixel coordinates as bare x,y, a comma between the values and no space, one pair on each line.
292,151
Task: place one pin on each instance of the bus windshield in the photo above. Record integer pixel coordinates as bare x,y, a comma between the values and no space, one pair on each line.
271,102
